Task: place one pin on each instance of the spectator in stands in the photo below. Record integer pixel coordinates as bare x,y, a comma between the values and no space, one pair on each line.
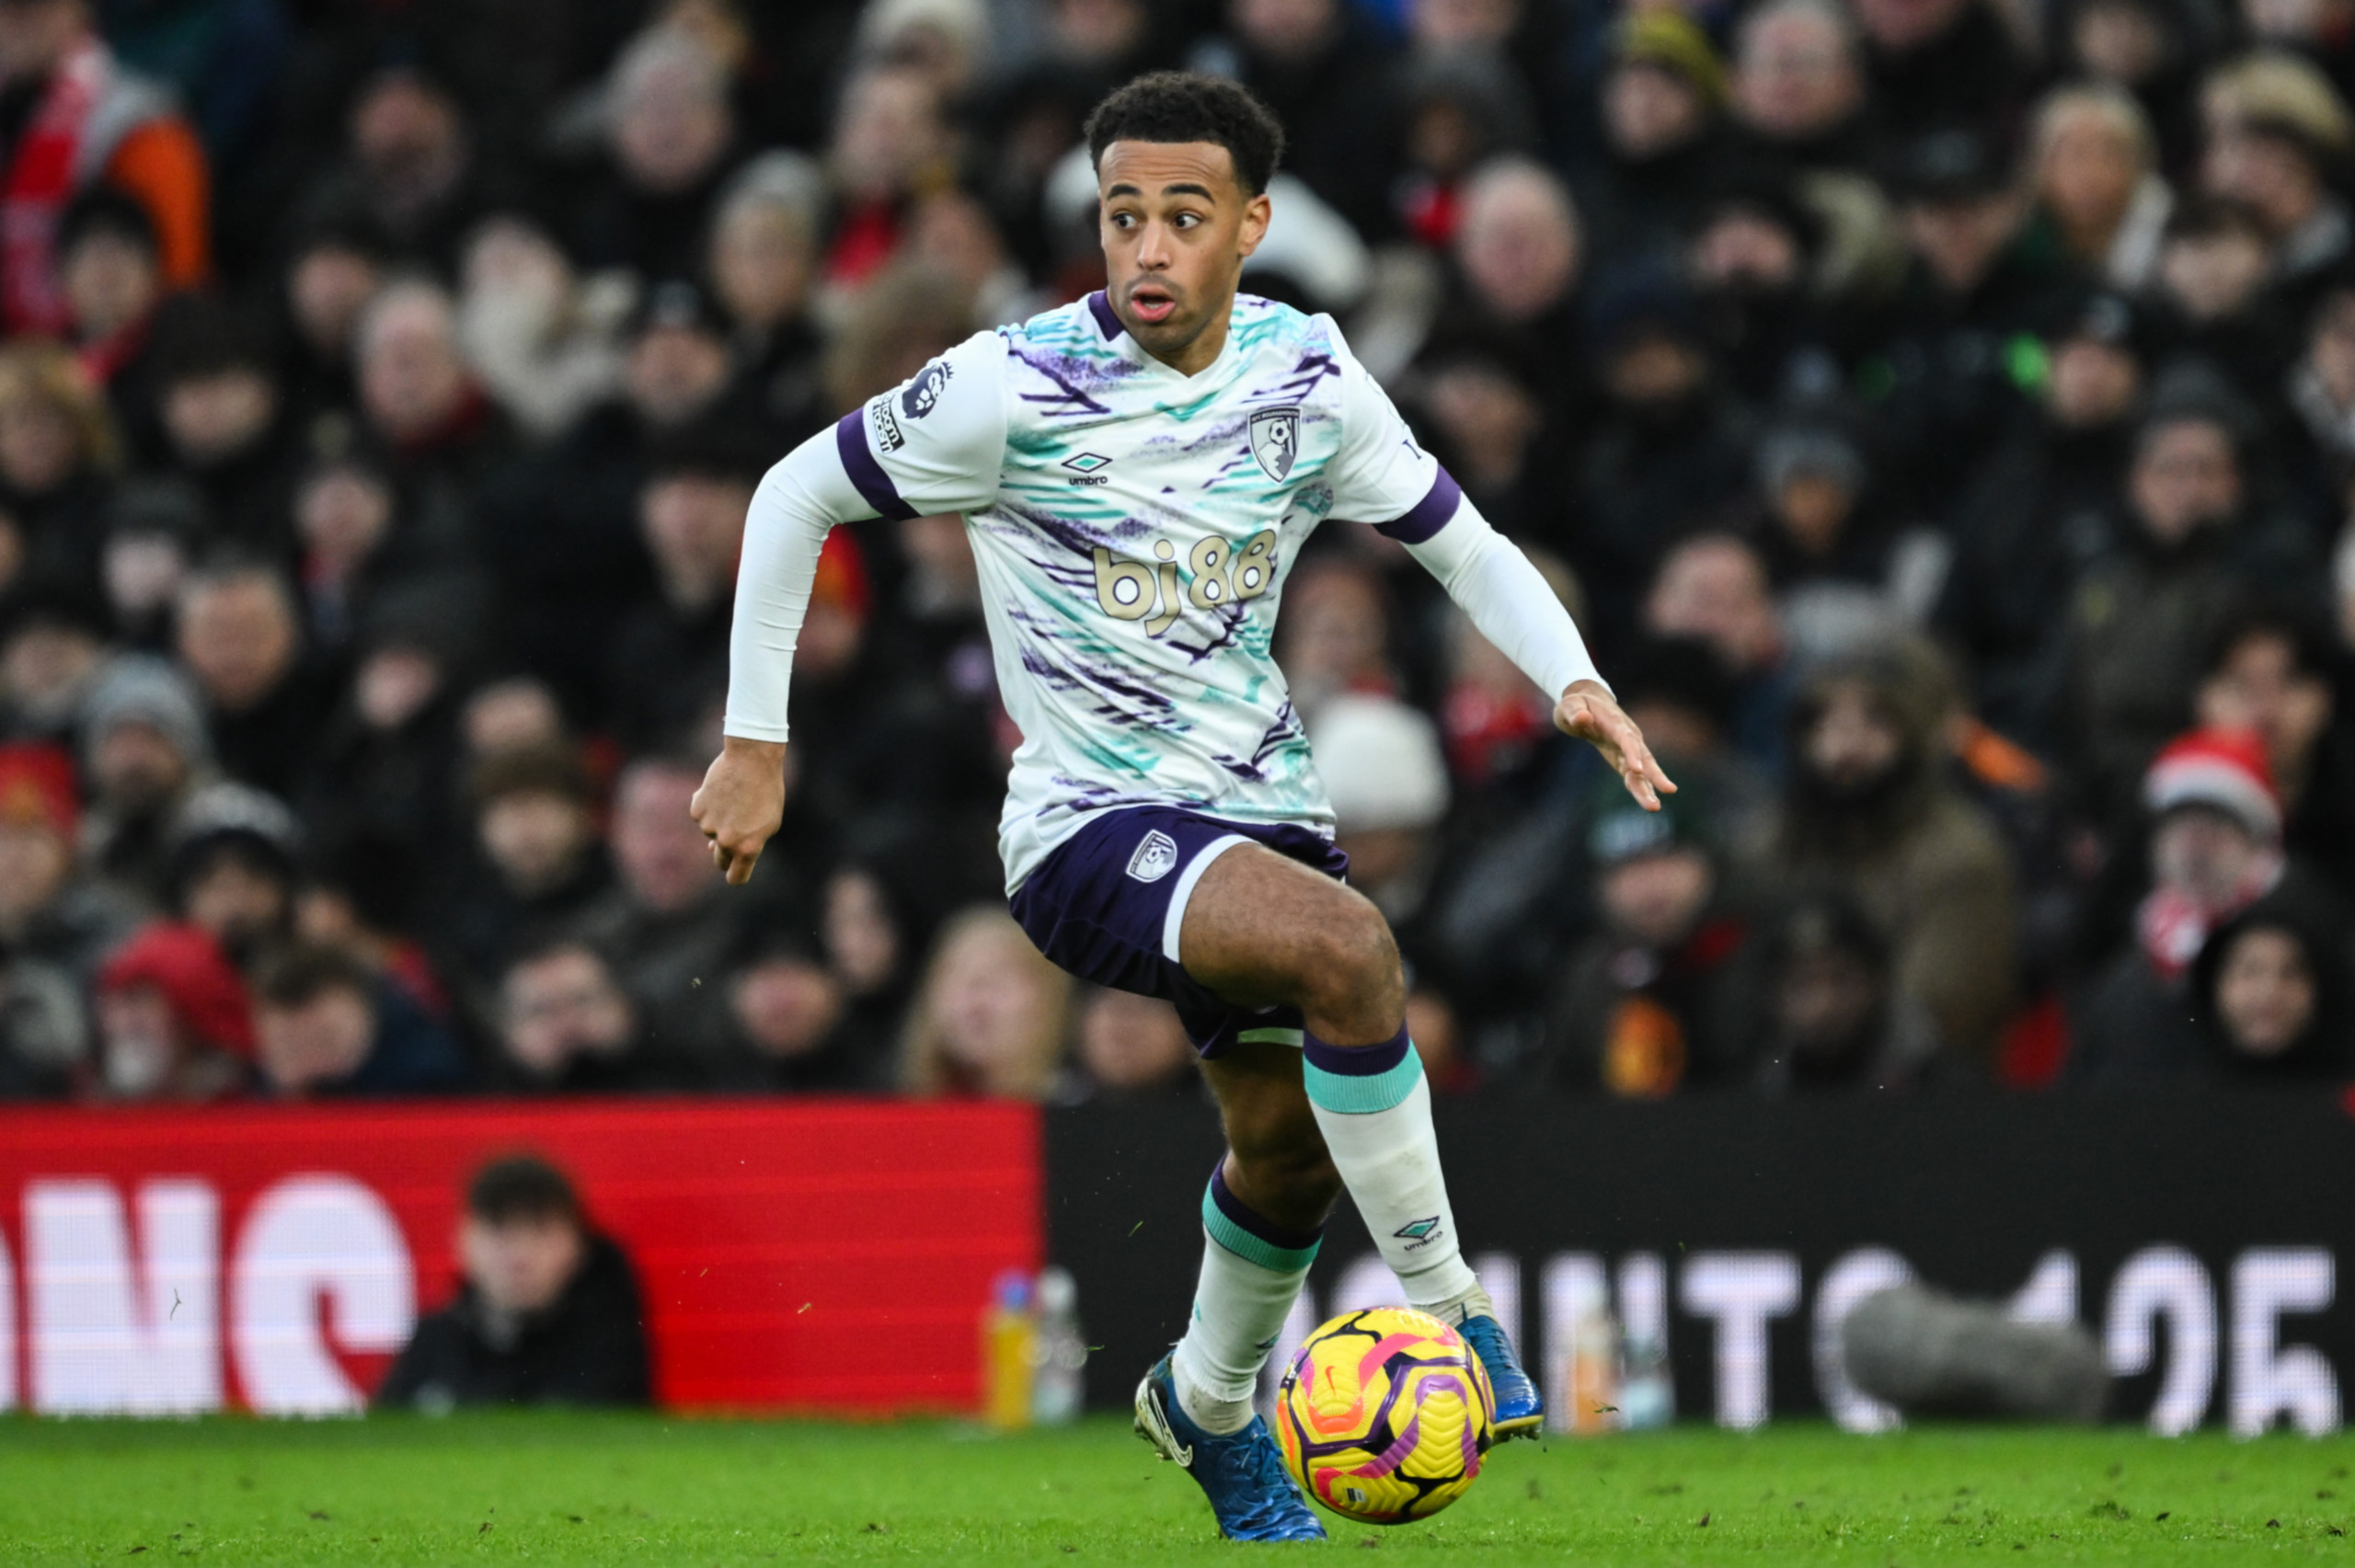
991,1016
763,267
672,656
1835,1016
1133,1049
669,140
538,863
86,118
890,141
240,637
2278,131
334,268
1714,586
234,856
1387,781
2270,990
413,171
1798,87
58,446
2042,514
2274,673
419,400
2215,850
110,270
545,341
222,421
1519,256
2144,615
2096,182
1336,633
174,1021
547,1310
789,1012
1661,998
567,1026
48,913
325,1025
53,648
874,925
1867,813
664,927
1934,63
144,750
1660,102
152,527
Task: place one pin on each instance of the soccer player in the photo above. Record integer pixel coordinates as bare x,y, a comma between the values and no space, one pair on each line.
1137,473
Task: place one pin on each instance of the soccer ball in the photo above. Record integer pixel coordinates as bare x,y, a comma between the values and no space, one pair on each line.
1384,1414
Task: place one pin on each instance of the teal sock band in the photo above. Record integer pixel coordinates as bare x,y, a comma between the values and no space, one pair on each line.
1250,1236
1359,1094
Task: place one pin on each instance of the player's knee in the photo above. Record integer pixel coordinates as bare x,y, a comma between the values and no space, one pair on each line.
1354,973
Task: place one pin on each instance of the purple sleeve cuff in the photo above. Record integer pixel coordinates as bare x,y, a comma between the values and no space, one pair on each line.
1424,519
874,485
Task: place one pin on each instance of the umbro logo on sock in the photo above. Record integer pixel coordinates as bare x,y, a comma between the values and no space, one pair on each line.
1418,1231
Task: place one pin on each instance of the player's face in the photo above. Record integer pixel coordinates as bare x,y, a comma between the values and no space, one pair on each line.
1175,224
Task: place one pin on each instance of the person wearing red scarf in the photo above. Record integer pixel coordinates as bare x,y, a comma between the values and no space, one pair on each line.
72,117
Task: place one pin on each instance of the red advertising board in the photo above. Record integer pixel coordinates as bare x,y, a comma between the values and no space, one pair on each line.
825,1256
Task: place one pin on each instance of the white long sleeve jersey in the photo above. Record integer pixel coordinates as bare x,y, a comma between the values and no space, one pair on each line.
1134,526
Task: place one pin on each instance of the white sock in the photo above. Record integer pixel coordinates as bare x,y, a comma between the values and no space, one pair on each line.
1374,1105
1251,1272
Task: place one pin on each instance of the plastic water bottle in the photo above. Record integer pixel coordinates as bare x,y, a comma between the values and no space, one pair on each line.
1594,1372
1057,1353
1009,1337
1647,1393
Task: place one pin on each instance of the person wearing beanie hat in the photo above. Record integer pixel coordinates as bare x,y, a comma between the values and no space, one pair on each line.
1662,102
2215,848
235,853
1382,768
175,1023
143,747
1656,1000
47,911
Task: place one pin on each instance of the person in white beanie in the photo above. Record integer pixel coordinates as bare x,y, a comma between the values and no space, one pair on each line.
1382,770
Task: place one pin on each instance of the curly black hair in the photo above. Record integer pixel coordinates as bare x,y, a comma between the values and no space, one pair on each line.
1186,106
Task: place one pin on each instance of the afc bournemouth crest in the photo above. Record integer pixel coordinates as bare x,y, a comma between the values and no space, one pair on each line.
1275,440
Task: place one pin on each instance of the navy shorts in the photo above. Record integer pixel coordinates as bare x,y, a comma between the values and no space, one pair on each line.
1107,903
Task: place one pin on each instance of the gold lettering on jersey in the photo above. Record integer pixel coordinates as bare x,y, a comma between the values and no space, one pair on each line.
1216,574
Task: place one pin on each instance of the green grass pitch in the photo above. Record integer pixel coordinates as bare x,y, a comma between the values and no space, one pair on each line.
599,1489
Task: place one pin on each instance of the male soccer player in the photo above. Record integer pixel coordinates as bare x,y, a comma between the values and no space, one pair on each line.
1137,471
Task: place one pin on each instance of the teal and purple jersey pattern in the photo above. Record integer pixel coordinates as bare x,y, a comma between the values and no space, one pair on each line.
1132,527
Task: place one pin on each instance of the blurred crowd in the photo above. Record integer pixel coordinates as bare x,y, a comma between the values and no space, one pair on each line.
1940,414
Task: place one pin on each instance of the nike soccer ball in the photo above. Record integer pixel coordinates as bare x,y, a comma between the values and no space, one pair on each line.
1384,1414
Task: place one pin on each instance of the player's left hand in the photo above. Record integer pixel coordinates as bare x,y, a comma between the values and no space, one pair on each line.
1590,713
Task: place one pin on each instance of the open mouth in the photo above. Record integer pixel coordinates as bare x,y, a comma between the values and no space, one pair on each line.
1152,303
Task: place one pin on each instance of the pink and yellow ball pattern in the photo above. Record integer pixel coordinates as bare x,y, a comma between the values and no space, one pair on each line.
1384,1415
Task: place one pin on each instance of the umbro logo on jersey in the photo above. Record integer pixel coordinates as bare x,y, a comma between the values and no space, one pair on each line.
1157,856
1089,468
1275,440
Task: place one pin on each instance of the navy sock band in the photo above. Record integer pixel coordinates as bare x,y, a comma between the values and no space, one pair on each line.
1359,1080
1357,1061
1251,1235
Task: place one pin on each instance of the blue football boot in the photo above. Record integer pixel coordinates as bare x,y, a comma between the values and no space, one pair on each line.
1242,1474
1521,1410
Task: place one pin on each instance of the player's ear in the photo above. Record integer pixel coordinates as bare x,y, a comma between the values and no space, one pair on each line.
1256,213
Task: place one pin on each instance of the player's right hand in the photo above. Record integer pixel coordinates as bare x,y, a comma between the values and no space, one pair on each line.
740,804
